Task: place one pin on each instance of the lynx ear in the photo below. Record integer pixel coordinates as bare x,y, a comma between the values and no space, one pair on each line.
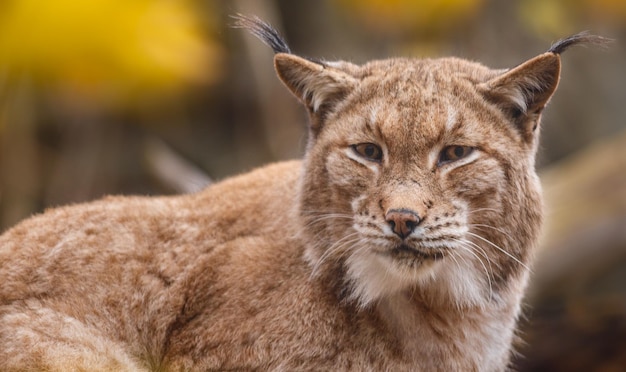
318,85
523,91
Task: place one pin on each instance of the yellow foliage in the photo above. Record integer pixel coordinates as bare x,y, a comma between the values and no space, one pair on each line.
414,15
130,47
610,9
556,18
553,18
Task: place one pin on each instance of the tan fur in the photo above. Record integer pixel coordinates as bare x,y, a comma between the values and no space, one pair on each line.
293,266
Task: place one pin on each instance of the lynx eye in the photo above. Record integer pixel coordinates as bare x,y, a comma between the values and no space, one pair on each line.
454,153
368,151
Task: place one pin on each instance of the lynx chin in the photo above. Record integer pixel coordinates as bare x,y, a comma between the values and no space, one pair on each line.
402,240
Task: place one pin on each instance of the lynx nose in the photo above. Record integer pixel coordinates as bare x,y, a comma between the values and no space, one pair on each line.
402,221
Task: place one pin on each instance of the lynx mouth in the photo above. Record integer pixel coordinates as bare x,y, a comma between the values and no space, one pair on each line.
404,251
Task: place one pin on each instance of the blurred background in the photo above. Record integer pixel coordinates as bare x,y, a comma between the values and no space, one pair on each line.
160,96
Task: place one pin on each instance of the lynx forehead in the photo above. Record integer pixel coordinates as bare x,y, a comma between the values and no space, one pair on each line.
402,240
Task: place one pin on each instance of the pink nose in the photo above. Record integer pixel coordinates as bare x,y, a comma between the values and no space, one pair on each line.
402,221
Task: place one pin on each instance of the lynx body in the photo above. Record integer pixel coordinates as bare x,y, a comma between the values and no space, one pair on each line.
401,242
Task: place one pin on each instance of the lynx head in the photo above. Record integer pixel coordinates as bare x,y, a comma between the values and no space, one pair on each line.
419,173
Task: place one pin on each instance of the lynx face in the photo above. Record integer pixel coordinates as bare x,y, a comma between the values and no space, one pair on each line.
415,169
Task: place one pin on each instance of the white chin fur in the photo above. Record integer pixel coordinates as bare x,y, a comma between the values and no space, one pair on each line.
373,277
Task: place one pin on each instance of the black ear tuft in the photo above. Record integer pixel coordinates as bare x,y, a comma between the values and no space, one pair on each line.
318,85
581,38
265,32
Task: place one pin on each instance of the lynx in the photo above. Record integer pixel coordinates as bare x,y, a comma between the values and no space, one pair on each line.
402,240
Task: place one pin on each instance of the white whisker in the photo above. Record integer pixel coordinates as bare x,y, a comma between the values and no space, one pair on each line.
333,249
327,217
501,250
470,250
493,228
484,210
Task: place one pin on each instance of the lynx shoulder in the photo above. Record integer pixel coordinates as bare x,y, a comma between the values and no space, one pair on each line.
402,240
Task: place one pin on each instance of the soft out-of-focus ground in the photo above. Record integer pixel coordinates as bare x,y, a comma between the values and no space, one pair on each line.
153,96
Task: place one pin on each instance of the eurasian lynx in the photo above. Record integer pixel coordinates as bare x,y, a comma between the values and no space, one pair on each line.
401,242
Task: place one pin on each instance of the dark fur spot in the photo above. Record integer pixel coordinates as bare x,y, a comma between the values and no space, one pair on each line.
162,278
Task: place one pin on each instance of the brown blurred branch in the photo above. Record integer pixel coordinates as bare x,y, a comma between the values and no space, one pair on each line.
280,114
172,169
19,163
